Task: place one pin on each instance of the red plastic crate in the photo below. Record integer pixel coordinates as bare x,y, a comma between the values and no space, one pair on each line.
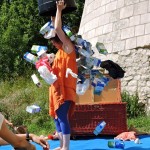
87,116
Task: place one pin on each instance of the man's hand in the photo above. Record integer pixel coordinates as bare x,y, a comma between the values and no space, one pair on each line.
60,5
41,141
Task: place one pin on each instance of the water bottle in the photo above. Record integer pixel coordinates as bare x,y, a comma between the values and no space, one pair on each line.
116,144
36,80
137,141
99,128
30,57
69,33
86,85
48,76
87,46
79,88
37,48
79,41
104,80
84,52
101,48
93,61
98,88
81,78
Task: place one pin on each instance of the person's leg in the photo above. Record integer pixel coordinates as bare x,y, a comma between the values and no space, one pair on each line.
58,129
62,114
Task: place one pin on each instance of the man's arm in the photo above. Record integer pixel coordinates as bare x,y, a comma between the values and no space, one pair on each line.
13,139
68,45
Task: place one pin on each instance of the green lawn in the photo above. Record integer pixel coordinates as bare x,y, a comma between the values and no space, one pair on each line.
14,98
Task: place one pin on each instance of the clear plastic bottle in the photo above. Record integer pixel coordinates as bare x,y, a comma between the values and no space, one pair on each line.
99,128
84,52
104,80
93,61
36,80
98,88
69,33
116,144
48,76
101,48
82,87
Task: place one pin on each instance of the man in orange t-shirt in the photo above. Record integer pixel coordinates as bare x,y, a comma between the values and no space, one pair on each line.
63,90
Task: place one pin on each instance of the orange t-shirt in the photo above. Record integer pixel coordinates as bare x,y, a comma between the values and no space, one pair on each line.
63,88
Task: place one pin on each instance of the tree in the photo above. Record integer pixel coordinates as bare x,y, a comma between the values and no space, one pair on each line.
20,24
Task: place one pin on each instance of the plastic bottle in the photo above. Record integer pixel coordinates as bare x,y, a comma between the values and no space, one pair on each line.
116,144
84,52
30,57
81,78
82,87
99,128
79,88
104,80
36,80
69,33
79,41
93,61
37,48
137,141
86,85
101,48
98,88
48,76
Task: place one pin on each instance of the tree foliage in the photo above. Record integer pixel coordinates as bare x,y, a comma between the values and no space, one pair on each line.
20,24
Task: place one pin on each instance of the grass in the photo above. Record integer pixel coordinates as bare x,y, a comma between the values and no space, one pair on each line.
142,123
20,93
15,97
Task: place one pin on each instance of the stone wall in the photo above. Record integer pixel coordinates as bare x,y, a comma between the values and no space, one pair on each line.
124,28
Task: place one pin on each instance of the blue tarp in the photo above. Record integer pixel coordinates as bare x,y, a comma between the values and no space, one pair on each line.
98,143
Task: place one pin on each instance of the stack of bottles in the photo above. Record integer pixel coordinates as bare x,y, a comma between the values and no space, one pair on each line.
86,62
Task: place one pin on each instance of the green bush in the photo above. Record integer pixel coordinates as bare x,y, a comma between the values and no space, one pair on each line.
16,96
134,108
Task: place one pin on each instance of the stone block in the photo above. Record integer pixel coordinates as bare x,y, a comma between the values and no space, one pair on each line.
126,12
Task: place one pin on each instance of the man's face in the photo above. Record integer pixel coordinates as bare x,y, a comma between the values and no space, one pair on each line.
56,44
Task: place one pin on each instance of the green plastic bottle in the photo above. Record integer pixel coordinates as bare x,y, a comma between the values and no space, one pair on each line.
101,48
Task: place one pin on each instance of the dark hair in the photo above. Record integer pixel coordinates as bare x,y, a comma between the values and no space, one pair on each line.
56,39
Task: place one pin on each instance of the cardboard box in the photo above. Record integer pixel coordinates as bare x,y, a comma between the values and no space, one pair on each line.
111,93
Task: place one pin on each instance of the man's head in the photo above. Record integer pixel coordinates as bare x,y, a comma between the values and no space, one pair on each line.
56,42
